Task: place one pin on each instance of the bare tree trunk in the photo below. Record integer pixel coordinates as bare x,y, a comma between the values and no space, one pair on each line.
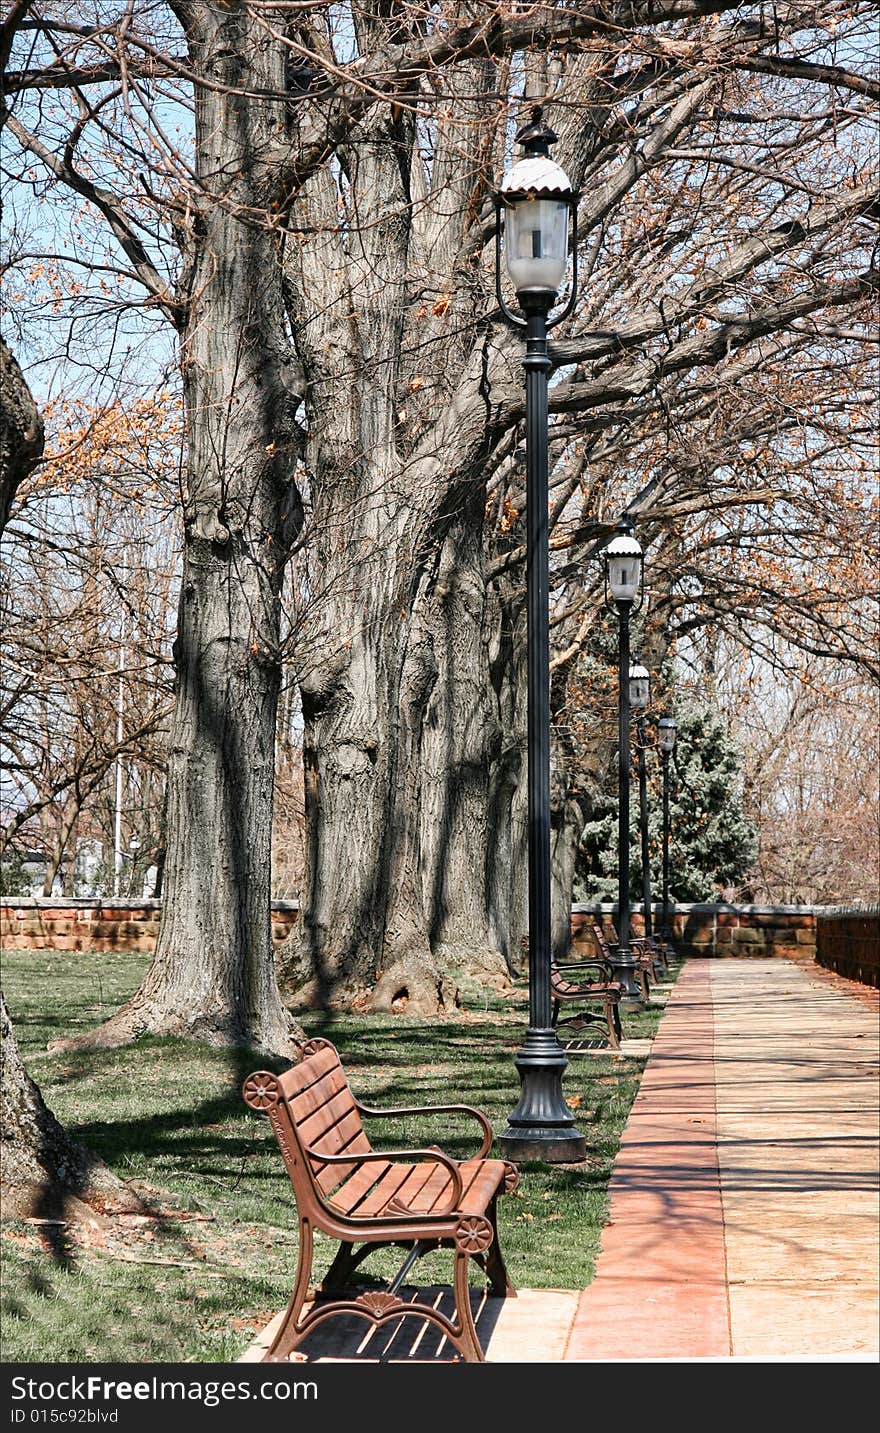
461,744
43,1172
348,762
67,822
21,430
213,976
390,650
507,821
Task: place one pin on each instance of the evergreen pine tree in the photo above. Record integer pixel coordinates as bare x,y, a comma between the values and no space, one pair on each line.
712,843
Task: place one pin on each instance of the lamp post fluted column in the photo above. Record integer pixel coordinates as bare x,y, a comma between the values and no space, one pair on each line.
623,960
643,826
623,587
541,1126
537,202
667,744
667,934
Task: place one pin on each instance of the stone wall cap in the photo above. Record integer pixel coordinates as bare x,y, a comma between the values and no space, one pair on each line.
108,903
708,907
80,903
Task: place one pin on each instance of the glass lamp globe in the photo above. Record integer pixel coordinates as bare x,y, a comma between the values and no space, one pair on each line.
537,198
639,687
623,566
666,727
536,226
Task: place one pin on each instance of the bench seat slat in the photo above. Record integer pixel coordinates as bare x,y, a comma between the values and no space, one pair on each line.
376,1195
347,1198
415,1182
423,1188
353,1141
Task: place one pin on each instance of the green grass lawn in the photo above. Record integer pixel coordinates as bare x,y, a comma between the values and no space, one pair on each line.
195,1282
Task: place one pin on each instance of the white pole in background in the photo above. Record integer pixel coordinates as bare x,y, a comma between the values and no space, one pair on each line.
117,832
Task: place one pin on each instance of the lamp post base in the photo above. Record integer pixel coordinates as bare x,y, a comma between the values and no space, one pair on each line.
623,968
541,1126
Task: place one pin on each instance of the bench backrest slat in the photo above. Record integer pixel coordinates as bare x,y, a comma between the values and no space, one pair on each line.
323,1117
601,941
351,1140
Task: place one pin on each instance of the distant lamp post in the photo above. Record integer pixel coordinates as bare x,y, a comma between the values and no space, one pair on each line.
623,587
639,697
639,689
667,745
537,206
134,847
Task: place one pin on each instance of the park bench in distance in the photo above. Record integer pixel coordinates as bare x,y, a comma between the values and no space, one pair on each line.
645,949
421,1199
586,982
654,947
644,971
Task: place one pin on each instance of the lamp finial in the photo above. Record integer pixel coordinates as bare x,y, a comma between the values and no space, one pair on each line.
536,137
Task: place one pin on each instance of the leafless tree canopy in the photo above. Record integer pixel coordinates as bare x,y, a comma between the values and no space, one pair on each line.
301,194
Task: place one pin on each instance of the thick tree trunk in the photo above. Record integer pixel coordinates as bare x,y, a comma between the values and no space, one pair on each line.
21,431
43,1172
461,746
507,844
416,817
348,757
213,976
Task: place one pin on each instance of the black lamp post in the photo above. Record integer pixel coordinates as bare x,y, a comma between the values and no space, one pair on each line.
639,696
623,583
667,745
537,202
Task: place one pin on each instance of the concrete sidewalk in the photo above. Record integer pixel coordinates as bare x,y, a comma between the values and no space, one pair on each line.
744,1217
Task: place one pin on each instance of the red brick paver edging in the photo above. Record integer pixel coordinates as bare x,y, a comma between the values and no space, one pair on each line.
660,1289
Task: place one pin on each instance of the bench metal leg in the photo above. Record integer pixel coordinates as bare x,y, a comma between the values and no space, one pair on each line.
612,1016
618,1028
493,1261
467,1342
288,1334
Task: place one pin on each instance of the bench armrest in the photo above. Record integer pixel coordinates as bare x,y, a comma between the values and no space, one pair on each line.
393,1156
597,963
478,1115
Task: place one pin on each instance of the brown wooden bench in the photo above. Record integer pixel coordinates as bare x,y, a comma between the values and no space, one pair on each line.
658,949
587,982
421,1199
643,964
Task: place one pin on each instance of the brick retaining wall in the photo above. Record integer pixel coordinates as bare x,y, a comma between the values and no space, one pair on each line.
848,942
722,929
52,924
